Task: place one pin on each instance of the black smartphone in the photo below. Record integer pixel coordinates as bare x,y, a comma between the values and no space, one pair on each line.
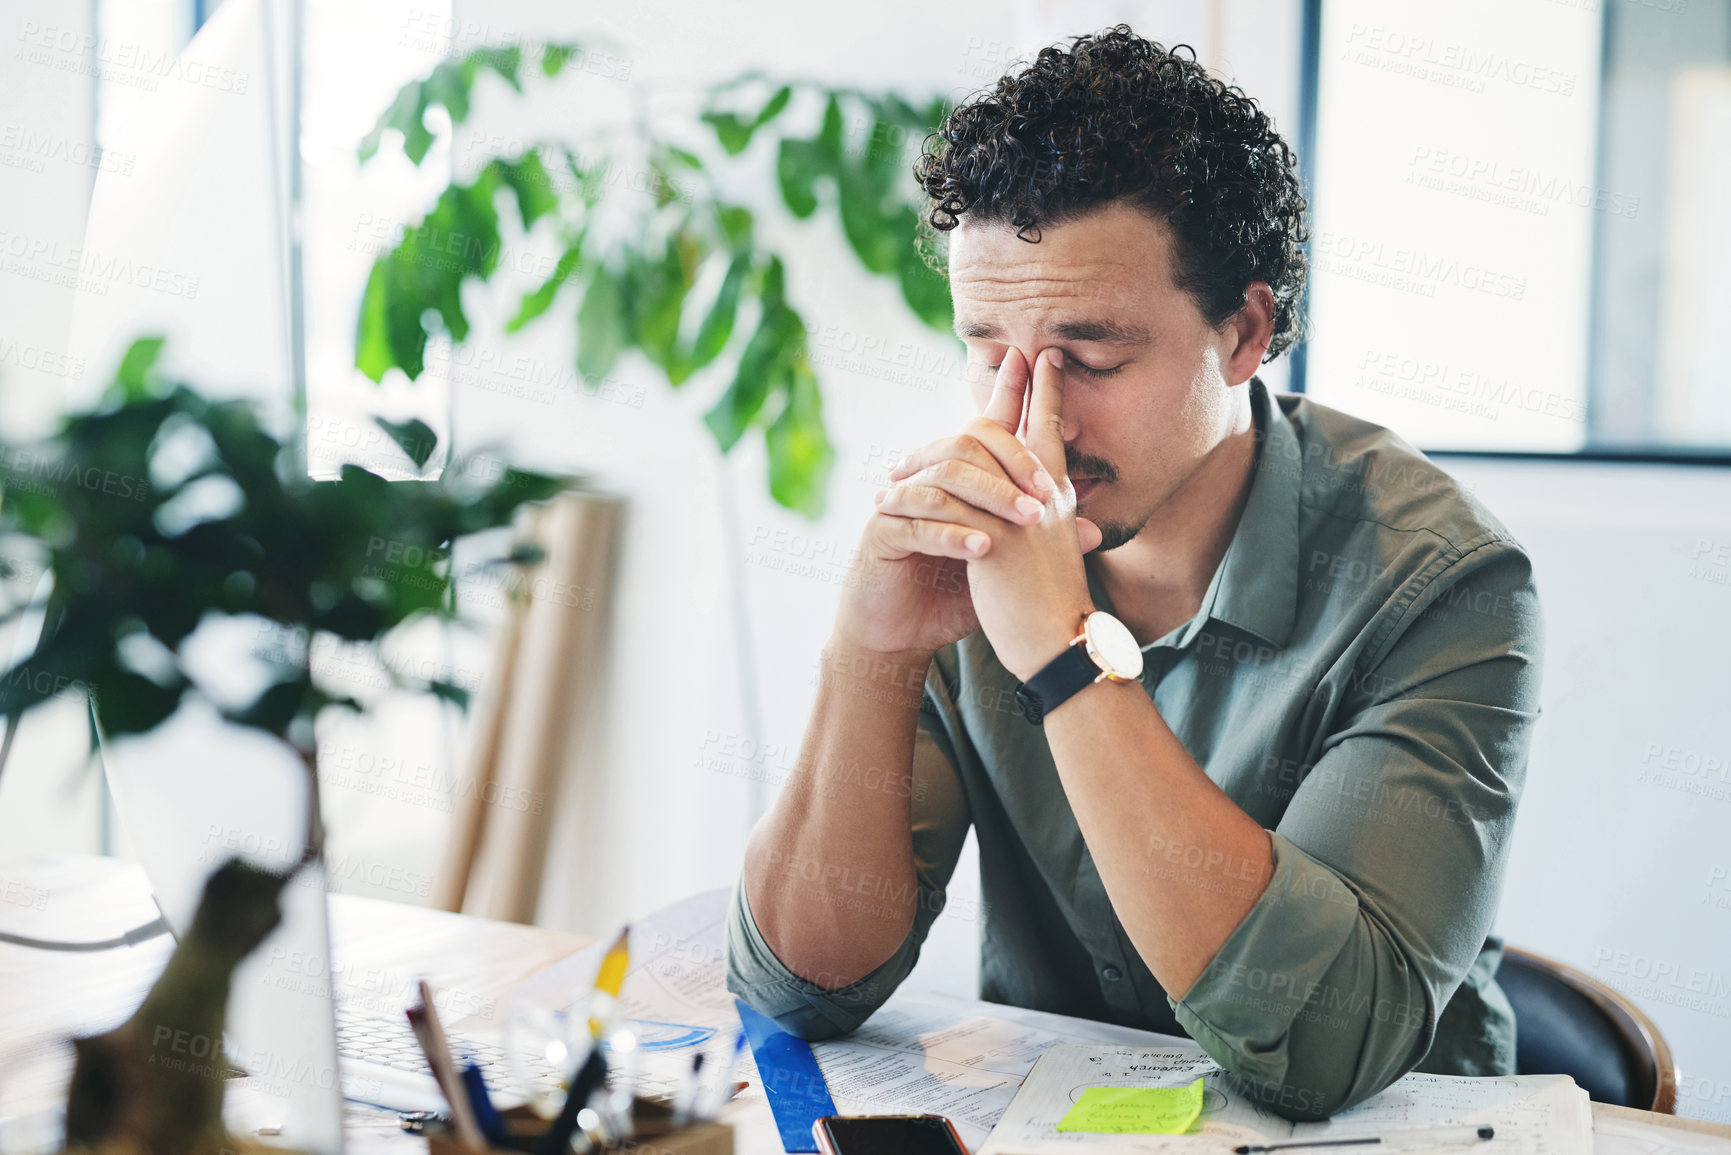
887,1135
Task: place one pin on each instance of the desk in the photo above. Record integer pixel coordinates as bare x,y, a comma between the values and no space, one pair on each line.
45,997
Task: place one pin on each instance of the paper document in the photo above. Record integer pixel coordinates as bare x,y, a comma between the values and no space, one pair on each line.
920,1052
1532,1114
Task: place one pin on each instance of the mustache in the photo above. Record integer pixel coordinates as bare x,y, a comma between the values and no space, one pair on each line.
1084,465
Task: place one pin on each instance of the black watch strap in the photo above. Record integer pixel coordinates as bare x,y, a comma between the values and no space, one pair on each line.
1062,677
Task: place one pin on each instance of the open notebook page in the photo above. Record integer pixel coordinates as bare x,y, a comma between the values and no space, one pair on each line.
1533,1114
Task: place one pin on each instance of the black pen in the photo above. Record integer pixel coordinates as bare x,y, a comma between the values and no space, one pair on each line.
1429,1136
592,1074
686,1097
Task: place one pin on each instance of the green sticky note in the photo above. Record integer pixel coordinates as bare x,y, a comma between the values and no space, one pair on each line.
1135,1110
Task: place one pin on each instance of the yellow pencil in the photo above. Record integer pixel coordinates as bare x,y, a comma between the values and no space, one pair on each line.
608,980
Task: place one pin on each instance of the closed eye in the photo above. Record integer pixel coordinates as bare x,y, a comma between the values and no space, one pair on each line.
1073,363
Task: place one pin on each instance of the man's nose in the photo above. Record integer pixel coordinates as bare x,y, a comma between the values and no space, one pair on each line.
1072,427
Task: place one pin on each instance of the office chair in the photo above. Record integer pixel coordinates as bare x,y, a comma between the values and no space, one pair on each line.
1569,1023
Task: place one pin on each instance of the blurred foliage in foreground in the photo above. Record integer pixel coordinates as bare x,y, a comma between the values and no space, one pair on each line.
160,508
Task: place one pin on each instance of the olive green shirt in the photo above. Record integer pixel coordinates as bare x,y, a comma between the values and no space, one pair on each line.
1362,679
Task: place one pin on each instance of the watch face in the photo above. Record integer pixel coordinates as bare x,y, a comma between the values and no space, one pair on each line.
1113,644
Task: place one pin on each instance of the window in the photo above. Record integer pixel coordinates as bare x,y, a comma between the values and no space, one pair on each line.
1519,241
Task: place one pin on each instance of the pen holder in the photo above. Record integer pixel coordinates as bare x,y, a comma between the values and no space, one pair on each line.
653,1134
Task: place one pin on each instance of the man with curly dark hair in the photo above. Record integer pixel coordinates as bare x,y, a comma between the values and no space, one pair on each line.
1281,670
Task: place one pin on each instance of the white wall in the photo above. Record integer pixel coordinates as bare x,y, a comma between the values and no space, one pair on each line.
1622,854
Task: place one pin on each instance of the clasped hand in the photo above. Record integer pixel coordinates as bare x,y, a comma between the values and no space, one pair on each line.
1007,505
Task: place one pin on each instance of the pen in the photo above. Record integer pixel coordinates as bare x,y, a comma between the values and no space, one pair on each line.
486,1115
424,1021
723,1088
591,1075
1429,1136
686,1097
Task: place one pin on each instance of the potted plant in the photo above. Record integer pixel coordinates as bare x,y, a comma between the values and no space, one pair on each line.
653,255
152,513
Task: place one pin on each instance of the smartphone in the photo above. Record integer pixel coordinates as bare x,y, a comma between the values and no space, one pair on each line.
887,1135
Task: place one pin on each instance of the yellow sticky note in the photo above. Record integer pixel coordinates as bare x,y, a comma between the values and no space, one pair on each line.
1135,1110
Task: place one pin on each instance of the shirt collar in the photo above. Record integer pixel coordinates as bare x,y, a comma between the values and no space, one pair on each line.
1255,587
1258,578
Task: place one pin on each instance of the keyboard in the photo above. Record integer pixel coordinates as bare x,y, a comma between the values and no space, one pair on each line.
391,1043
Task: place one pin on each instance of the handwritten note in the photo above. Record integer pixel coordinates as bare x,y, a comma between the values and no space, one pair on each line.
1135,1110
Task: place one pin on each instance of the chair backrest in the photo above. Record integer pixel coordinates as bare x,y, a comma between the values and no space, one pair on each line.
1569,1023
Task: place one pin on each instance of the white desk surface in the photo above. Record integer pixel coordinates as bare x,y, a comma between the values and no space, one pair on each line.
47,997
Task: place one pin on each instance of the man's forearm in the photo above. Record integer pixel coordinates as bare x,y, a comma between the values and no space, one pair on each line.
829,871
1181,862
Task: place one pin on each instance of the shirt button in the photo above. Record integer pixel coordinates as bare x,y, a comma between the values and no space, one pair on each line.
1111,974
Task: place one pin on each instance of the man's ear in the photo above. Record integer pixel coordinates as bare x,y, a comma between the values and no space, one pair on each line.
1253,328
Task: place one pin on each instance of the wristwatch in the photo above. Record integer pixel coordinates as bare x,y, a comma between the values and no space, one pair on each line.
1104,650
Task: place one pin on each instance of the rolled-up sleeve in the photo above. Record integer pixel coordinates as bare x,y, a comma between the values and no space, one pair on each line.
1388,861
811,1011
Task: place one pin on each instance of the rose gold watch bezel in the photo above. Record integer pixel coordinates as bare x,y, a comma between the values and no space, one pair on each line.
1107,672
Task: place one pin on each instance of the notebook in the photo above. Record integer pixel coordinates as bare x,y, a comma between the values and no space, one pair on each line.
1531,1114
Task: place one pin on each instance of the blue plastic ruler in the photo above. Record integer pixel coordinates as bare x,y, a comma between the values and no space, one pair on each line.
798,1096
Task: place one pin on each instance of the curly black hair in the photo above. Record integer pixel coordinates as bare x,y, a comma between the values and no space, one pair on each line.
1115,117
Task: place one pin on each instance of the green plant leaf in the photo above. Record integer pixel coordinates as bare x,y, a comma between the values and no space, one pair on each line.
374,354
274,709
450,692
601,325
733,133
389,331
829,136
872,238
527,178
772,286
519,487
688,159
736,224
798,164
717,325
414,437
506,61
772,108
129,703
554,57
800,455
924,288
459,238
136,367
448,85
762,367
406,115
894,109
661,287
538,302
